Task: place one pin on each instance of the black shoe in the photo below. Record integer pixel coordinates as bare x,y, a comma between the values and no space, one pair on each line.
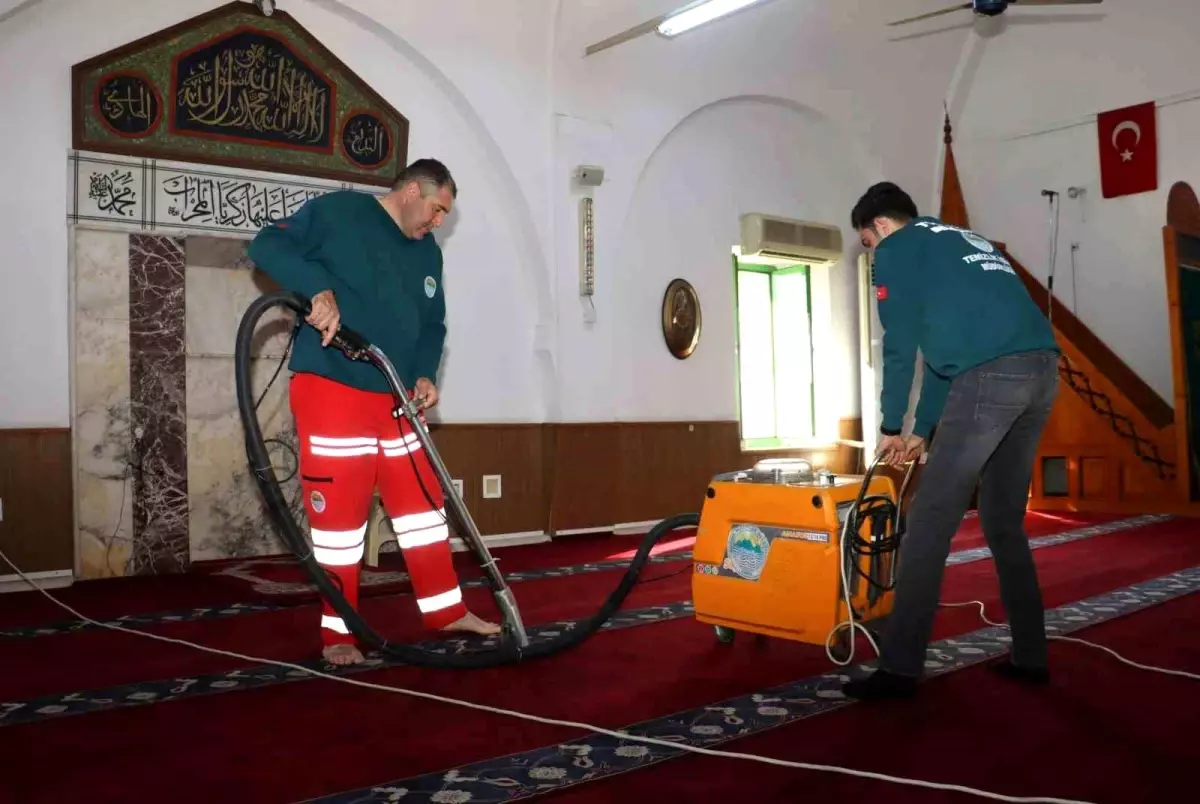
881,685
1024,675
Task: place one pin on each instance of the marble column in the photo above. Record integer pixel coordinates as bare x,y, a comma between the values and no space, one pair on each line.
158,407
104,480
228,518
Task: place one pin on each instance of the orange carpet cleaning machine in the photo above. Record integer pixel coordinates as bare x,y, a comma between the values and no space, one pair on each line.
787,552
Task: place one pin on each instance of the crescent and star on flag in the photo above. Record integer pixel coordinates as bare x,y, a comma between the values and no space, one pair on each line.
1128,125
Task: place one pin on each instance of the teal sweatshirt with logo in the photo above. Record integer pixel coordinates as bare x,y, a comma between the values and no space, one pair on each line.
388,287
951,293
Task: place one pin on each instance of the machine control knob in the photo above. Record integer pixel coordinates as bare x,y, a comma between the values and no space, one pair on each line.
825,477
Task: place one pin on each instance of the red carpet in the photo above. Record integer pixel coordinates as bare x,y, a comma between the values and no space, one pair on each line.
82,660
256,575
562,552
1101,732
1037,523
114,597
292,741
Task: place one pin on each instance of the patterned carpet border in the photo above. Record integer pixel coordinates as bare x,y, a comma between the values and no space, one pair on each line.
137,621
597,756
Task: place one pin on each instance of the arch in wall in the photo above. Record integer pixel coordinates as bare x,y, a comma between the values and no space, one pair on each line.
1183,209
1181,257
785,133
532,255
857,145
514,212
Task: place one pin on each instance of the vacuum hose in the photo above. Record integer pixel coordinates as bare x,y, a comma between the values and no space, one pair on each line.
512,650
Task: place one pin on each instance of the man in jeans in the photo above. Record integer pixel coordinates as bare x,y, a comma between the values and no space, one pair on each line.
990,377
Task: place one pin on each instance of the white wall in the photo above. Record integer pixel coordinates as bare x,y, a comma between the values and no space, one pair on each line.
1048,81
779,110
495,140
37,48
507,99
733,157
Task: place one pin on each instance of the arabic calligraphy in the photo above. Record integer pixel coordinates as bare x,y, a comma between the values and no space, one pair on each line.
251,86
128,104
232,203
113,191
366,140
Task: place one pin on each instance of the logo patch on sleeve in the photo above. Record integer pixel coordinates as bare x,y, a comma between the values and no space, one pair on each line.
881,293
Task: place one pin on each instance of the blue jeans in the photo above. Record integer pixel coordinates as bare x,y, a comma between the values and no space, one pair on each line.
987,438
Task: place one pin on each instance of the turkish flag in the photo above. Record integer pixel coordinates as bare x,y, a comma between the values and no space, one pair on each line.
1128,150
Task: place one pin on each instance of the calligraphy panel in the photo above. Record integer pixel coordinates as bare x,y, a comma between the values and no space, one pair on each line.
234,87
167,197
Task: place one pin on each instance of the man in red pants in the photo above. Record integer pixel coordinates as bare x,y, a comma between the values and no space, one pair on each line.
374,264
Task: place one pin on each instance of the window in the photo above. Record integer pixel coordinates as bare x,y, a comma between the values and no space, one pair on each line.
774,354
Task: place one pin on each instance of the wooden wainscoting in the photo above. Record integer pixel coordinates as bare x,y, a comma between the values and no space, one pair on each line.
575,476
513,451
624,472
38,527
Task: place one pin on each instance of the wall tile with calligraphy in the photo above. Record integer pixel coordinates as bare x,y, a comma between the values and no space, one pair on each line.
236,88
149,195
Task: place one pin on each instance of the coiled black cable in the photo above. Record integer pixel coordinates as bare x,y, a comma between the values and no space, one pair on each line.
291,535
882,511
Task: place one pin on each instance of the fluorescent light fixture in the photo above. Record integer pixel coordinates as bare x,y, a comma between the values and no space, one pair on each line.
700,13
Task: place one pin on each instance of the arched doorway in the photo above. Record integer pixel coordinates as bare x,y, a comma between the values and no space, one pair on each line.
1181,250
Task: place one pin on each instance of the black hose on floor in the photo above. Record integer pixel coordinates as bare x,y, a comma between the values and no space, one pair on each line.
292,536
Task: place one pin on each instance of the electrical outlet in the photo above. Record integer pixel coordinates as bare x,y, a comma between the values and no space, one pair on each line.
458,486
491,487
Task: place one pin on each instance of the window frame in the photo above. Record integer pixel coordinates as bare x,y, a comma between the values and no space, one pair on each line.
773,442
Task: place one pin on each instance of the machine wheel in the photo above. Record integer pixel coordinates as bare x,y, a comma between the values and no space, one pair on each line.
724,634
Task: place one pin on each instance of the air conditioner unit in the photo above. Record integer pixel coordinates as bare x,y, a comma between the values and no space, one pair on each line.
783,238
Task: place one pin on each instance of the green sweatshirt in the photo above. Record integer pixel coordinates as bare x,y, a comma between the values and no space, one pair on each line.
388,287
952,294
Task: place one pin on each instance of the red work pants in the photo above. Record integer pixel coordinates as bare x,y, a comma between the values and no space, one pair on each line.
349,444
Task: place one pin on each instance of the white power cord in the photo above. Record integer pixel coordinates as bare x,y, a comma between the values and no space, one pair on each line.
1131,663
849,622
853,624
620,735
844,570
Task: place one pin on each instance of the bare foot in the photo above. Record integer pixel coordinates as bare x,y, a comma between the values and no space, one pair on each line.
474,625
342,654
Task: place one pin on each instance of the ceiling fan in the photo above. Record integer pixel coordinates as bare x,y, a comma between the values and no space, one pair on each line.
992,8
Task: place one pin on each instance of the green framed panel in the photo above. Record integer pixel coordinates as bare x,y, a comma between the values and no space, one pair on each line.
237,88
741,265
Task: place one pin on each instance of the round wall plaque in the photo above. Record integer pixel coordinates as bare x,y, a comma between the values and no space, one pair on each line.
681,318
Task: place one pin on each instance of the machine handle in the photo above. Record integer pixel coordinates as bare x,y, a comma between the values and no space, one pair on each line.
354,345
351,343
